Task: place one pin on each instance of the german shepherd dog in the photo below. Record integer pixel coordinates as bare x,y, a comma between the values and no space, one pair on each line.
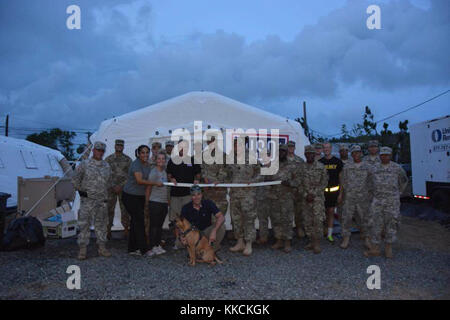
196,243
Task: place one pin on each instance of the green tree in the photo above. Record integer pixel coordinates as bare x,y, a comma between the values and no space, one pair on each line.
345,133
403,142
386,134
357,130
56,139
302,122
369,125
81,148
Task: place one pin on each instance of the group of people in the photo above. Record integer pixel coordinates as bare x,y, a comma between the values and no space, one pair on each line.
362,191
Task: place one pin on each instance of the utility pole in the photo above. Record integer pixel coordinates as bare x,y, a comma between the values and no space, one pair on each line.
7,125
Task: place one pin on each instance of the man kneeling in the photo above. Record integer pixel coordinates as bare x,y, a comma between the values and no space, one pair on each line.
201,213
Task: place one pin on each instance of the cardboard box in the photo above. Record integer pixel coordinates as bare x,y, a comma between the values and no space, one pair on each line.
65,228
31,190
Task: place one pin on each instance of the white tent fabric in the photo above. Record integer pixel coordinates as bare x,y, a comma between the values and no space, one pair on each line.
25,159
156,122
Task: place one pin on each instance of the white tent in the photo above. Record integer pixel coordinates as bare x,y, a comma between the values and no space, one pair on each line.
25,159
158,121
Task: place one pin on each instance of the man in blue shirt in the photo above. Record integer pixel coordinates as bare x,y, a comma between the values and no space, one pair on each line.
201,213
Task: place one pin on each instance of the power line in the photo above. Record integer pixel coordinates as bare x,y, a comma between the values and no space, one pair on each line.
49,124
413,107
389,117
32,130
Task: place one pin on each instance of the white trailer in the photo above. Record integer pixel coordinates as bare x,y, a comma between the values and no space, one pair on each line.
430,160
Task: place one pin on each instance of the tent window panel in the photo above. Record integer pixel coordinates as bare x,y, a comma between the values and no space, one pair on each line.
2,165
28,159
54,164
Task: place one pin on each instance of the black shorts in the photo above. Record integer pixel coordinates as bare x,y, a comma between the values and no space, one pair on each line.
331,199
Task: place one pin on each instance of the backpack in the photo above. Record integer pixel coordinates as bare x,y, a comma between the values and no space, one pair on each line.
23,233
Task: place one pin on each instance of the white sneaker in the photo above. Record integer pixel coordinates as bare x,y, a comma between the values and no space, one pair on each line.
150,253
175,247
135,253
159,250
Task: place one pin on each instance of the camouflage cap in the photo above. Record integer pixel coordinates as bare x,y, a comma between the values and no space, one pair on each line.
310,149
318,146
156,143
355,148
373,143
291,143
120,142
99,145
169,143
385,150
283,147
343,146
196,189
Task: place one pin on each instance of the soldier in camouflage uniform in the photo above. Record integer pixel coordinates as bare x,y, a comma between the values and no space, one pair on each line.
282,201
297,196
343,156
216,173
156,146
243,202
319,151
354,196
313,179
343,153
373,157
119,163
92,180
263,204
387,180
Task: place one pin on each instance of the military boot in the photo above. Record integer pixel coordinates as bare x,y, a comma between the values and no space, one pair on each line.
367,242
248,248
374,251
345,241
309,245
82,255
287,246
362,235
239,246
316,246
262,240
277,245
388,250
300,233
102,251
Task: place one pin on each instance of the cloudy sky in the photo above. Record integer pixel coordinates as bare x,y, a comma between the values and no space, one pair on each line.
270,54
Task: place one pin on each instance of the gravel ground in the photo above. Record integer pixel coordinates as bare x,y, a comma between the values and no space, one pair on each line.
424,211
419,270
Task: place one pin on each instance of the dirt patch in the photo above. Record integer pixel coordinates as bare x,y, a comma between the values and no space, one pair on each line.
405,293
425,235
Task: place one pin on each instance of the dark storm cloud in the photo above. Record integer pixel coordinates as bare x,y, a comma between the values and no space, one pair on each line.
113,64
